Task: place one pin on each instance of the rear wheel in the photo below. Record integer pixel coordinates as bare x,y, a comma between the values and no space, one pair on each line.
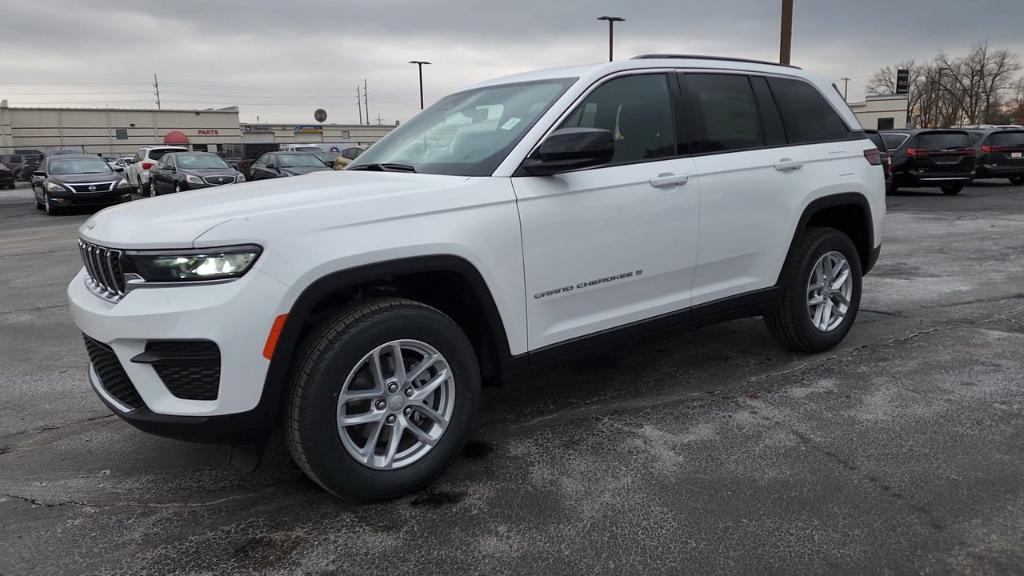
952,189
383,399
1017,180
821,282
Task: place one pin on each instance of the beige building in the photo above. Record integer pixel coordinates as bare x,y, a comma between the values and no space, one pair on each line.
882,112
120,131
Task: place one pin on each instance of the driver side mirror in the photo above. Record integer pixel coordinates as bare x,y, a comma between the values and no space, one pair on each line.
271,167
571,149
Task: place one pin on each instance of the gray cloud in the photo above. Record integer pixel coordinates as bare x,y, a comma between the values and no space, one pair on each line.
280,59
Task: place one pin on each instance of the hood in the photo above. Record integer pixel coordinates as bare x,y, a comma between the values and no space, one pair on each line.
76,178
266,207
299,170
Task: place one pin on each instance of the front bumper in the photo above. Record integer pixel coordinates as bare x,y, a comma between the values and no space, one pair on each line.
91,198
237,316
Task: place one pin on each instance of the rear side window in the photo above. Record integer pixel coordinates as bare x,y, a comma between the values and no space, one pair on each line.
637,110
943,140
722,112
808,117
894,141
1006,139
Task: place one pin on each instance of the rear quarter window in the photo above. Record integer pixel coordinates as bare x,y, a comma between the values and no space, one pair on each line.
894,141
808,117
878,141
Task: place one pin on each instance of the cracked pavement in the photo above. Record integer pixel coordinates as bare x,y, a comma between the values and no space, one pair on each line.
709,452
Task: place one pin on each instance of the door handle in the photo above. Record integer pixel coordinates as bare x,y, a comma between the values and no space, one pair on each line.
668,179
788,164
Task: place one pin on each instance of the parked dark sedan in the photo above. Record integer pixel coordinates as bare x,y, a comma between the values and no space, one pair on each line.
281,164
1000,154
931,158
180,171
6,177
77,180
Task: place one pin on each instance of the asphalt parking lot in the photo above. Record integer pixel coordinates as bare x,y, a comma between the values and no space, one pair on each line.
710,452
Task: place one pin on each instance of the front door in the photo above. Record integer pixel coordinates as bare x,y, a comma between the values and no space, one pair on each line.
607,246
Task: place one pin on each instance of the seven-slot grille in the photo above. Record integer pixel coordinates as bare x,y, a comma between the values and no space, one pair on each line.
93,187
216,180
103,270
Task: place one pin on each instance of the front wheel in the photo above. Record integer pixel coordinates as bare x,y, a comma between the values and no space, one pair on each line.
821,283
952,189
382,399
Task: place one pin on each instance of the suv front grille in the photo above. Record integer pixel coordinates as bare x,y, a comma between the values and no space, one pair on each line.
112,376
103,270
190,369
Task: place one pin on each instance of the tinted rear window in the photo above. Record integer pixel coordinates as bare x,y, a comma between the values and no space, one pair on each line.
877,139
808,117
158,154
1006,139
943,140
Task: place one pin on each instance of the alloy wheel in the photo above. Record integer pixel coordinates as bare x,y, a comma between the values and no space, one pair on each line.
395,404
829,290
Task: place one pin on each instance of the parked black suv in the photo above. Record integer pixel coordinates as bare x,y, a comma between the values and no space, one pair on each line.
181,171
1000,153
77,180
931,158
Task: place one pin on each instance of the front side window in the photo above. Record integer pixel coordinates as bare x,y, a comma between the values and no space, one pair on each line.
637,110
808,117
468,133
723,112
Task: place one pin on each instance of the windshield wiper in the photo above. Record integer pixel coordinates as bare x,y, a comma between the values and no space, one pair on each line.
384,167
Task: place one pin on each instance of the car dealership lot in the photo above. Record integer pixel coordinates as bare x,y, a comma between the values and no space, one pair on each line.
714,451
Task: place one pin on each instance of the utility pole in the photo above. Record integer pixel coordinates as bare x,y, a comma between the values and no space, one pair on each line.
156,86
366,103
378,119
359,103
419,64
786,40
846,86
611,33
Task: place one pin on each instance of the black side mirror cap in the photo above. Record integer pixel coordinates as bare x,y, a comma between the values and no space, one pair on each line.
571,149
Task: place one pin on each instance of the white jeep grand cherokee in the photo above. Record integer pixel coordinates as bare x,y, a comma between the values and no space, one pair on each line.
508,224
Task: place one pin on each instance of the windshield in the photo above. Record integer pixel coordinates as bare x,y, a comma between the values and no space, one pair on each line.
1006,139
299,160
79,166
200,161
943,140
468,133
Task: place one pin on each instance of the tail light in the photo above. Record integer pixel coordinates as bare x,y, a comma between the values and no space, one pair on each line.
986,148
912,152
147,165
873,156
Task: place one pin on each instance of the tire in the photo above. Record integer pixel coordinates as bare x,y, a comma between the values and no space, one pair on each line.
48,206
792,324
177,188
952,189
39,205
147,189
1017,180
335,353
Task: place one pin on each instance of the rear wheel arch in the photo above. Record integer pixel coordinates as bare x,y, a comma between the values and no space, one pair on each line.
446,282
849,213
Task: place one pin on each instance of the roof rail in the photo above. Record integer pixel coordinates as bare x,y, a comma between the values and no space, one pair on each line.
703,57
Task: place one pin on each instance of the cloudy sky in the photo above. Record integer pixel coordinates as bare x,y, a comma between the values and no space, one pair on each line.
281,59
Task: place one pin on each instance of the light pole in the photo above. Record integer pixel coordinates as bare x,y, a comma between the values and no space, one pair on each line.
611,33
419,64
786,38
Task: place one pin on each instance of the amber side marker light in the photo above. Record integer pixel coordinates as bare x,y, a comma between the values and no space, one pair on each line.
275,333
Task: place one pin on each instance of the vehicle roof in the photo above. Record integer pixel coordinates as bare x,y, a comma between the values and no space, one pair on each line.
67,156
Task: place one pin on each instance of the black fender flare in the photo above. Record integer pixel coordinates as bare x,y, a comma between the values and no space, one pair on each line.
834,201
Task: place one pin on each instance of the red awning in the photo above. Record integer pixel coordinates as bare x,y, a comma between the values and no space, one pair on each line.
176,138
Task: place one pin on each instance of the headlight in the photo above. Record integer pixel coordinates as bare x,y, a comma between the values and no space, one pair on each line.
192,179
240,178
123,184
225,263
54,187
